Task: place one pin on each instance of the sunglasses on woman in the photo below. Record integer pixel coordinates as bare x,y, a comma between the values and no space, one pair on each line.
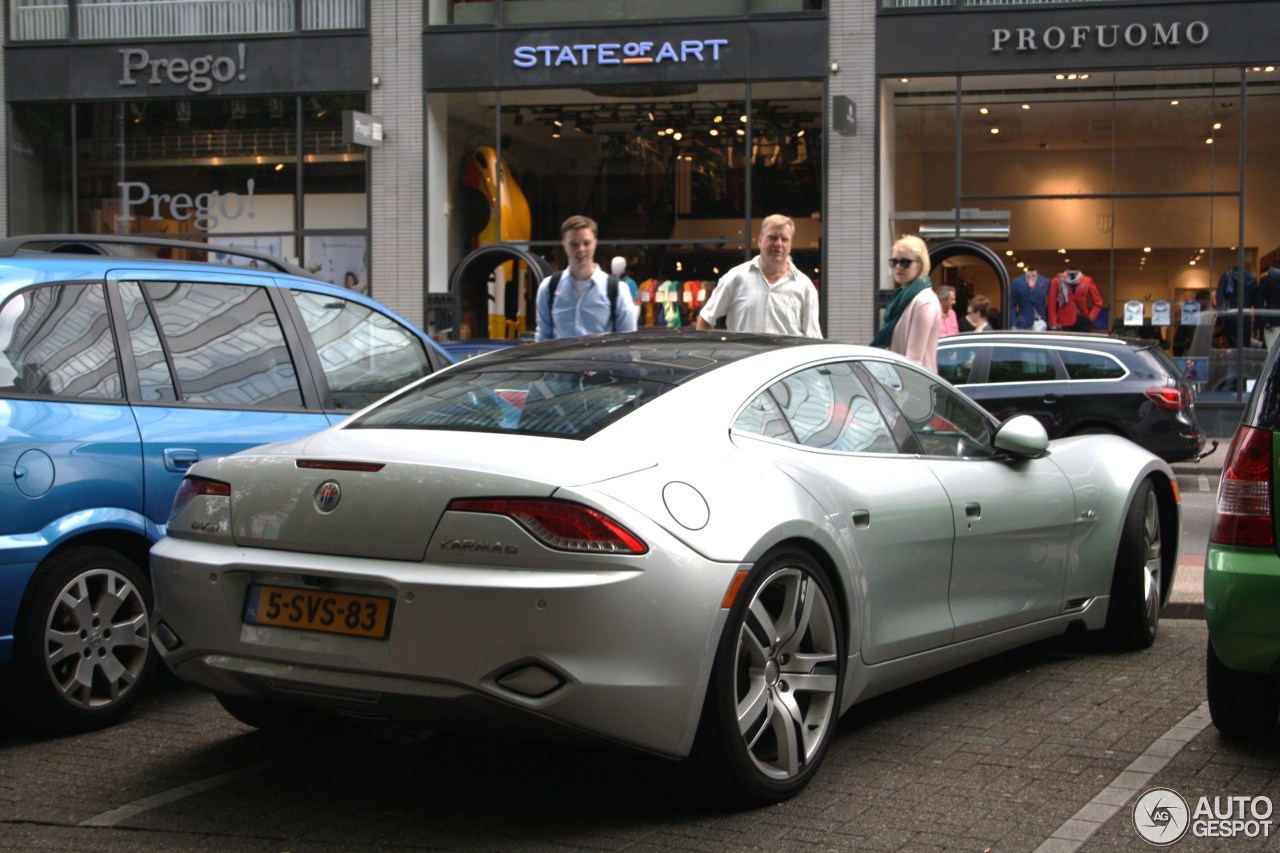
901,262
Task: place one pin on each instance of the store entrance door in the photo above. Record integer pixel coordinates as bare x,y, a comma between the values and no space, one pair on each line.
493,290
973,268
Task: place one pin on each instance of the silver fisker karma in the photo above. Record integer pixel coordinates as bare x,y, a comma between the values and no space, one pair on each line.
699,545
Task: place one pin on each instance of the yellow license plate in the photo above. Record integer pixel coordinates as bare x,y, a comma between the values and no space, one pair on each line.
317,610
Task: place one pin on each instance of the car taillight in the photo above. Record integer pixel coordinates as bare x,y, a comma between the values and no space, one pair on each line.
559,524
1171,397
193,487
1244,515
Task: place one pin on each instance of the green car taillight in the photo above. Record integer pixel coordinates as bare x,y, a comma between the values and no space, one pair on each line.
1244,513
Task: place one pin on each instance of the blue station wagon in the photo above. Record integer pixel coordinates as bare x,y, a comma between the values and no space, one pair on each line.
117,373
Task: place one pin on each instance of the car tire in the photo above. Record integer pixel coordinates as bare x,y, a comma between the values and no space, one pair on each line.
82,651
1241,704
773,700
1133,616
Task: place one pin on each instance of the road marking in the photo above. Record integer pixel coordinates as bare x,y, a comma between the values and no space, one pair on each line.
1110,800
1204,482
137,807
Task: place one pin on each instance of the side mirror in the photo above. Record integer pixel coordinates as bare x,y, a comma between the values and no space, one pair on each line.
1022,435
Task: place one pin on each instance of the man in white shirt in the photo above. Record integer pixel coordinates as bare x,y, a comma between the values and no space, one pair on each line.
580,300
767,294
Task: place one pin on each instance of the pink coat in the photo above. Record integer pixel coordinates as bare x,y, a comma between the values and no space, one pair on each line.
916,335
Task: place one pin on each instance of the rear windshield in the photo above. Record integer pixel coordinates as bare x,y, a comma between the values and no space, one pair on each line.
559,403
570,388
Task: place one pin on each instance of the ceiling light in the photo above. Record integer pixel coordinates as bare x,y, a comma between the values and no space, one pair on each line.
714,132
995,130
718,119
1084,76
679,136
1209,141
1146,248
1059,77
1008,253
1062,251
800,133
1026,106
1174,102
279,167
904,80
983,110
1217,125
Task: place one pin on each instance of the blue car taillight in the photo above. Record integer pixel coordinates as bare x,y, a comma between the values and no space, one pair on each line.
1244,513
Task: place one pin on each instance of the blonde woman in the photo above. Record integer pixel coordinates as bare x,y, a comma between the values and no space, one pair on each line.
913,318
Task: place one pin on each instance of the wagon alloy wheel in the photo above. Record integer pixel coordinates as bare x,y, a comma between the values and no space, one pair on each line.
775,694
84,648
1134,614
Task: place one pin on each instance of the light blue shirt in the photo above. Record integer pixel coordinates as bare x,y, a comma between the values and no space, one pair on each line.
581,310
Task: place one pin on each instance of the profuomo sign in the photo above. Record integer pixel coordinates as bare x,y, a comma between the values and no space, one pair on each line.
1078,38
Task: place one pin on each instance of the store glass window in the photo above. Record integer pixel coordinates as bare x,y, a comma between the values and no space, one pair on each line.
41,20
228,171
677,179
480,12
1154,183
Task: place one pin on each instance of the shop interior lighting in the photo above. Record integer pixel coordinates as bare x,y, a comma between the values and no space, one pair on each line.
983,111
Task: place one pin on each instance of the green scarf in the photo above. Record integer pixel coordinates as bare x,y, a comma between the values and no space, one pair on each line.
896,306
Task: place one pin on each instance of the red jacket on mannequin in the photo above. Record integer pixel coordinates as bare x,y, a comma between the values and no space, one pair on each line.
1074,301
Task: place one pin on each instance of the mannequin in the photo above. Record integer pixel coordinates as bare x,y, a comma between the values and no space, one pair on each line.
1030,292
1074,301
618,266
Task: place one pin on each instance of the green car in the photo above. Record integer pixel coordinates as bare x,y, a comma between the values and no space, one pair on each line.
1242,573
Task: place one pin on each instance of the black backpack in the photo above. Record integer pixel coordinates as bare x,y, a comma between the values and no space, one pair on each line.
611,287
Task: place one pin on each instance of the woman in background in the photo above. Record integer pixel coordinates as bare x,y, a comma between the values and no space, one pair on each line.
913,317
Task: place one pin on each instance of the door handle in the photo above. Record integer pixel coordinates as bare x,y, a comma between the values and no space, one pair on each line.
973,510
1049,398
862,518
179,459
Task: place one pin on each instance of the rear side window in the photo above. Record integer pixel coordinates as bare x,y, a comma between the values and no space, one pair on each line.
1091,365
1021,364
826,407
365,354
222,345
955,364
56,341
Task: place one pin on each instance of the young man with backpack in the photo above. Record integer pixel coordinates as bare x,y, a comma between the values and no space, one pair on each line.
582,299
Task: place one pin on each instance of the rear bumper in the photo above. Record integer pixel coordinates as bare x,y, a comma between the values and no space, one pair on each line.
1242,606
621,655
